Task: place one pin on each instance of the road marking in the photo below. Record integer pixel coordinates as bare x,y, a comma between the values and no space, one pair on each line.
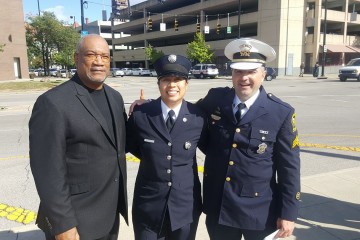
17,214
342,148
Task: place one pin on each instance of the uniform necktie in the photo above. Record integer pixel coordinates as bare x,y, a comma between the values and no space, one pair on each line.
238,112
170,120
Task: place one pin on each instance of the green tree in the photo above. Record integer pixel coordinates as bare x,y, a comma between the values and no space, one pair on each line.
50,39
152,54
199,51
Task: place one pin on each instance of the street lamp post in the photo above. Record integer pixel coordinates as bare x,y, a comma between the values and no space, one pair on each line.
324,42
42,43
239,18
82,14
73,17
38,6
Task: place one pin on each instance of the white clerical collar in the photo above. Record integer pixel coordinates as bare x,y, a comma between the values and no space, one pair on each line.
165,110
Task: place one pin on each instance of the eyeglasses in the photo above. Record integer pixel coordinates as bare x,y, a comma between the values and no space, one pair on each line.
93,56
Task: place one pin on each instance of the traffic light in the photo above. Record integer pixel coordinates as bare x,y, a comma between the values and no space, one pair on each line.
176,25
149,24
218,26
197,27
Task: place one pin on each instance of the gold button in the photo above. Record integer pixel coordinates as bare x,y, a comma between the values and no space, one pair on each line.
169,184
228,179
237,130
234,145
262,138
231,163
168,171
168,157
256,194
169,144
212,123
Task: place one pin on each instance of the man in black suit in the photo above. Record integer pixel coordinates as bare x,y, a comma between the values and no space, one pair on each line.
164,134
77,151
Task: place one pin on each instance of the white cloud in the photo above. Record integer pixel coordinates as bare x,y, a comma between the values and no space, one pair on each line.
59,13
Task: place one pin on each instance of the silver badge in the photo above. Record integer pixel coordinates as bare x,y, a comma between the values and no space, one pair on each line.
172,58
187,145
261,148
184,119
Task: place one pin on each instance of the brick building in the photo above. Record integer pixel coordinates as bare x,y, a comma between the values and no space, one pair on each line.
13,60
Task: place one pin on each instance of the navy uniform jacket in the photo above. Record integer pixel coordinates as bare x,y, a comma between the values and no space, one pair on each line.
168,174
77,167
242,160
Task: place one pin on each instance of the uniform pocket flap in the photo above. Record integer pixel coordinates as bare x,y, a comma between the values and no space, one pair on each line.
263,135
254,190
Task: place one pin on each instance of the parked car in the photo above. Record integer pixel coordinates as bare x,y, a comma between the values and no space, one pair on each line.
140,72
53,72
205,70
270,74
351,70
153,73
116,72
63,73
72,72
127,71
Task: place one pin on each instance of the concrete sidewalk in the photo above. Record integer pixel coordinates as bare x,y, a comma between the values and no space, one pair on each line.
330,210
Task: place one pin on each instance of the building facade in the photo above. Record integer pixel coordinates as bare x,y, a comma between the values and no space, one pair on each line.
294,28
13,59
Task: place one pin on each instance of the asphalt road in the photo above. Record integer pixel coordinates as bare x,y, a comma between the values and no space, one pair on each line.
327,111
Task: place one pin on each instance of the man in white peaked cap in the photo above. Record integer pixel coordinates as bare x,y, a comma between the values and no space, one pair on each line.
251,183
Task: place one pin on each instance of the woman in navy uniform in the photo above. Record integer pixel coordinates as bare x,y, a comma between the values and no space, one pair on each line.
252,166
164,134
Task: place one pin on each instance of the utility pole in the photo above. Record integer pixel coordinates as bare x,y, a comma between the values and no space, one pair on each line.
324,43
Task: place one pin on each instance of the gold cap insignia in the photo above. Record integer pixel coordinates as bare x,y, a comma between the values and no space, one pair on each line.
245,50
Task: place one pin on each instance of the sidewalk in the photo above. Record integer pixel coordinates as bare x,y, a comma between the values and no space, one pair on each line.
330,210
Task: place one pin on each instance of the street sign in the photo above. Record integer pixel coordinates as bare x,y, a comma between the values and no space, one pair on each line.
228,29
206,29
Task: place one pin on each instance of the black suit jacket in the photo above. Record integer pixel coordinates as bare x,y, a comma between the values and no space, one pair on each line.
168,175
79,172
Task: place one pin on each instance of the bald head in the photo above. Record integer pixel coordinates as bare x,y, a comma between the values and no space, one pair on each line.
92,59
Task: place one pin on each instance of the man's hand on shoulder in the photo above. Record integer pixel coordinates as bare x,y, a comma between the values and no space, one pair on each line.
71,234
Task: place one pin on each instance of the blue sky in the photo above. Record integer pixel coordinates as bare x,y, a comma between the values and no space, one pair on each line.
63,9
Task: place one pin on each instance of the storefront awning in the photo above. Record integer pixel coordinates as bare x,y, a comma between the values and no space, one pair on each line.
339,48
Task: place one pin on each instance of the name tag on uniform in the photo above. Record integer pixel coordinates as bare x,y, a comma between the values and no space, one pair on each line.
149,140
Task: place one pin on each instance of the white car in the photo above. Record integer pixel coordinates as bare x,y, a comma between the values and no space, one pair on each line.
205,70
153,73
127,71
72,72
117,72
140,72
63,73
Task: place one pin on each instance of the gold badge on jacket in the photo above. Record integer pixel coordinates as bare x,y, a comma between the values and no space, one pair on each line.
261,148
